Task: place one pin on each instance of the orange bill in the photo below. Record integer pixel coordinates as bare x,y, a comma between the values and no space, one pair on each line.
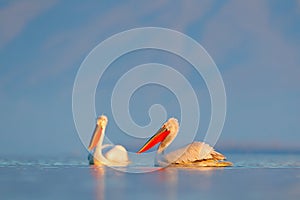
158,137
95,138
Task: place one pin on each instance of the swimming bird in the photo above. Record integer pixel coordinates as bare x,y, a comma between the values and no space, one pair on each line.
196,154
116,156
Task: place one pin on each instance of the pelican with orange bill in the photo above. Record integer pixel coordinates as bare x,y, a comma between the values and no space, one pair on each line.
196,154
116,156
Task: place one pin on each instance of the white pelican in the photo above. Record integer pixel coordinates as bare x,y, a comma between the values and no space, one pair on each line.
117,156
196,154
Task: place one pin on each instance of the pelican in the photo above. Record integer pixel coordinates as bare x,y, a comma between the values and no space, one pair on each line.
116,156
196,154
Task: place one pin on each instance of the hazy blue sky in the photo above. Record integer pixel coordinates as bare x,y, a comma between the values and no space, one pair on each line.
255,44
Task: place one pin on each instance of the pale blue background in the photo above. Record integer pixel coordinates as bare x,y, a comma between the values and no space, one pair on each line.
255,44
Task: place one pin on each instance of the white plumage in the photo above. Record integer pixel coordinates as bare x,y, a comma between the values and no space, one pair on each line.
195,154
116,156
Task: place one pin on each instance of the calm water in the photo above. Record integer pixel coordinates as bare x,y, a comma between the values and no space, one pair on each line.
254,176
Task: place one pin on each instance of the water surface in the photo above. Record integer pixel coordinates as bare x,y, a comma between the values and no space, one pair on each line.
253,176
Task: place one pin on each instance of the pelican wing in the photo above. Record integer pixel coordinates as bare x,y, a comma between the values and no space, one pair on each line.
196,151
117,154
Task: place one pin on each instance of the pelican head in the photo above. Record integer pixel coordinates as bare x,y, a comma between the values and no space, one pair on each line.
98,132
102,121
165,135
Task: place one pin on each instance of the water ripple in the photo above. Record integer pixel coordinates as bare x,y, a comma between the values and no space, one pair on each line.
239,160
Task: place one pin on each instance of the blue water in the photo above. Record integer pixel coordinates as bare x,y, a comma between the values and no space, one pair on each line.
253,176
